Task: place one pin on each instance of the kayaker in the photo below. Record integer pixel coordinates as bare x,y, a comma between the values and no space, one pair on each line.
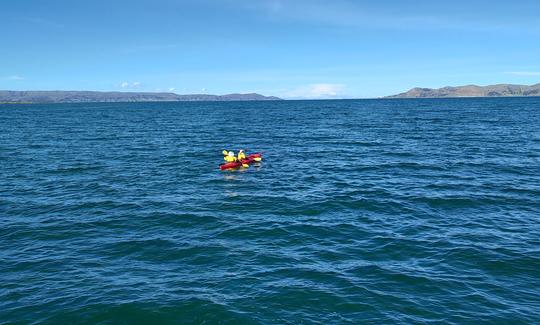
230,157
241,155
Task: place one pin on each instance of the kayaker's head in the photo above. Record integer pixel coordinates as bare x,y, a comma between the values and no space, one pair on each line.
231,154
241,151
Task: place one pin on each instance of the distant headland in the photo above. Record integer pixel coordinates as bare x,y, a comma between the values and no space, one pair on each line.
58,96
502,90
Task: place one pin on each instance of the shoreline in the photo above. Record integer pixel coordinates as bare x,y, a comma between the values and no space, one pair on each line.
282,100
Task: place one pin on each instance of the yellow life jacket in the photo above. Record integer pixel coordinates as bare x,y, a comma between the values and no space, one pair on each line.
229,158
241,156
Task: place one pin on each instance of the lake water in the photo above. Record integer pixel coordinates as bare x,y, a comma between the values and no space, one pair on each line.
386,211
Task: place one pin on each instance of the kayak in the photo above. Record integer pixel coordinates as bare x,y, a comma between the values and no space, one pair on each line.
255,157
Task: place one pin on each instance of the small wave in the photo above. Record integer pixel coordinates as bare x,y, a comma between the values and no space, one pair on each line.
74,169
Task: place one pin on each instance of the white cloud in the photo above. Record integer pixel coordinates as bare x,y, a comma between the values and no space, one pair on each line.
317,91
171,89
524,73
128,85
15,77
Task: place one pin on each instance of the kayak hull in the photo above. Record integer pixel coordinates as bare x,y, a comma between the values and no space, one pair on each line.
230,165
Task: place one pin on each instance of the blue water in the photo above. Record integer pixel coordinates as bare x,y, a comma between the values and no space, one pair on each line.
386,211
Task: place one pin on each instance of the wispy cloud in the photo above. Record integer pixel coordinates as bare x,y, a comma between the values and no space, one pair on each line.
130,85
43,22
15,77
149,48
316,91
367,14
524,73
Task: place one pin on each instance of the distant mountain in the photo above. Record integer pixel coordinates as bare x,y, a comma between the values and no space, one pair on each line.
58,96
503,90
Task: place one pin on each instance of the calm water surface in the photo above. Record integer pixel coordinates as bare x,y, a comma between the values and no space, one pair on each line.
388,211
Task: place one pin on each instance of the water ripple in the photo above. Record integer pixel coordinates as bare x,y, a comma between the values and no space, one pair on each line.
390,211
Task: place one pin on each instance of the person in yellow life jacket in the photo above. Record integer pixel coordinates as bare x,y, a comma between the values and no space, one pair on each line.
241,155
230,157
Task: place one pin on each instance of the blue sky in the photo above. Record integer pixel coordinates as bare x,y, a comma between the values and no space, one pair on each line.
292,49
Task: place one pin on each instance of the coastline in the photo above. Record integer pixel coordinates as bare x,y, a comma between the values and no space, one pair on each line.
389,98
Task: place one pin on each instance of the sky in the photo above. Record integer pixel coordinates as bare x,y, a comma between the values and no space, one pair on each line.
291,49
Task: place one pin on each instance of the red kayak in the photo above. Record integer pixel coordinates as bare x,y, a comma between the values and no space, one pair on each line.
237,164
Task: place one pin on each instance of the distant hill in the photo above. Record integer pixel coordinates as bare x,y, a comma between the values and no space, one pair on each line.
58,96
503,90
